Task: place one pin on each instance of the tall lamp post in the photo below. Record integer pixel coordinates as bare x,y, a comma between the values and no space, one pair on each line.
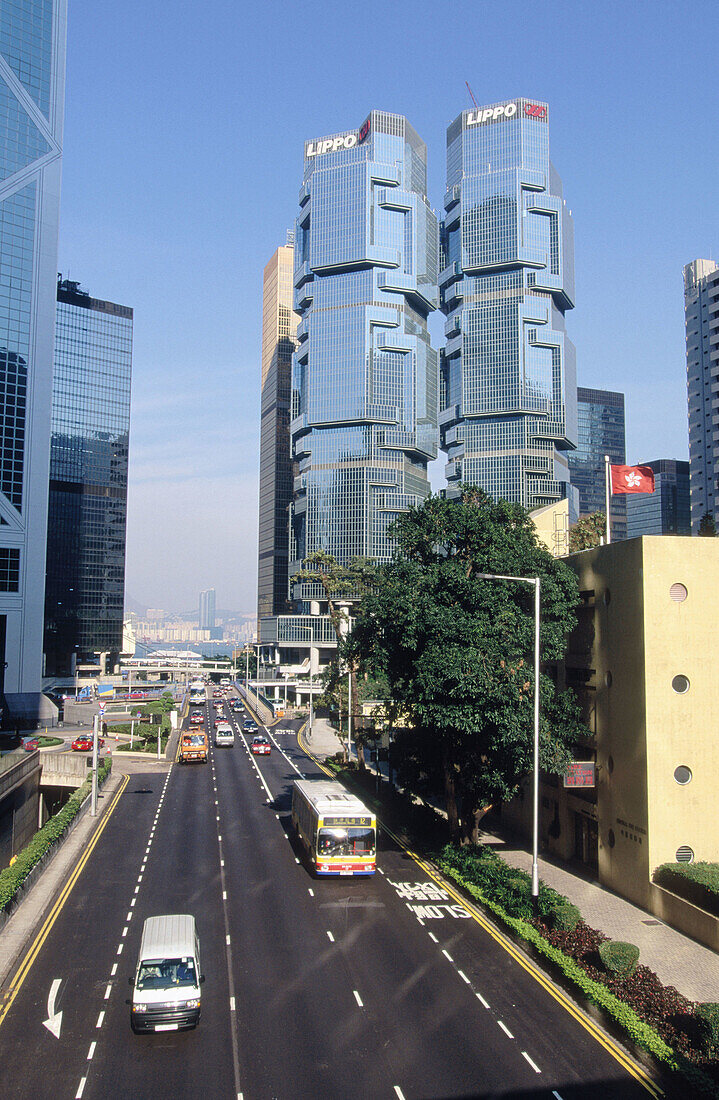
535,582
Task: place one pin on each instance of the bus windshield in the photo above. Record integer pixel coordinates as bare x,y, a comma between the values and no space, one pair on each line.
354,840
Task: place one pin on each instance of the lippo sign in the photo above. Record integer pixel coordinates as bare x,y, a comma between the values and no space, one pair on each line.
505,111
342,141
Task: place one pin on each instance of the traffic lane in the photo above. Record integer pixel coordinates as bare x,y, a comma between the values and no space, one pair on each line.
300,1029
79,952
181,876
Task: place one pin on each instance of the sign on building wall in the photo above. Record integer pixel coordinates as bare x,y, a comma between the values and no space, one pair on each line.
580,774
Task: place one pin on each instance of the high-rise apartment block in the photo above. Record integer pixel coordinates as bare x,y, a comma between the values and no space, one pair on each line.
279,324
508,376
601,431
364,395
207,609
32,79
85,586
701,312
665,511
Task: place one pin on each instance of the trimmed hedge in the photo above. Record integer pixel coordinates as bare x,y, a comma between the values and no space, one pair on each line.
708,1017
12,878
697,883
618,957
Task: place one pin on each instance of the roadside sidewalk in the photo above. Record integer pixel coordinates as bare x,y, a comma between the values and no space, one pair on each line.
25,920
675,958
324,741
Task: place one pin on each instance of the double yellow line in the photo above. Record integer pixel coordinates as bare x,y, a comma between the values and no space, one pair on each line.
24,968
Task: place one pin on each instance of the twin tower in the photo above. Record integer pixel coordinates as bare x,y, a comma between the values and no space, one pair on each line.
371,399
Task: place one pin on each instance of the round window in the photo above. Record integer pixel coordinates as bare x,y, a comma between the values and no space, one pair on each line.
678,592
680,684
612,838
684,854
683,775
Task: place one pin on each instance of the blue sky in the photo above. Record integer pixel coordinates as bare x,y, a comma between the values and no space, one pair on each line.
182,164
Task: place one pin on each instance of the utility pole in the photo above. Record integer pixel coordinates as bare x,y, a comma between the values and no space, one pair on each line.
349,715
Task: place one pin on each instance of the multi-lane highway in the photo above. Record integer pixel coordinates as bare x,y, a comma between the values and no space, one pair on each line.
330,988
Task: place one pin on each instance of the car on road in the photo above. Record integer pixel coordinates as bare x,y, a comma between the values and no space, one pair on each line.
197,718
166,992
138,695
220,720
249,726
218,704
30,743
261,745
236,705
224,735
83,743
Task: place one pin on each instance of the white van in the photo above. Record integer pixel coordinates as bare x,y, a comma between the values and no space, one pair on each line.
225,735
166,986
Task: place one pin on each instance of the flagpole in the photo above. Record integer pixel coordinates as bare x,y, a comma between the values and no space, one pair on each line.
607,478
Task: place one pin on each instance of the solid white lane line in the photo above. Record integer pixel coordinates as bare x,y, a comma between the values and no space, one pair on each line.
80,1088
331,937
481,998
505,1029
100,1018
358,998
534,1066
447,955
91,1051
108,990
463,976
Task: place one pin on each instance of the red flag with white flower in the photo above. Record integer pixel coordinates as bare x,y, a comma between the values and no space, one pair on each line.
632,479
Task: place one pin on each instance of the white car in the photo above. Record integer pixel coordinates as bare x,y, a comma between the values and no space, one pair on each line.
224,735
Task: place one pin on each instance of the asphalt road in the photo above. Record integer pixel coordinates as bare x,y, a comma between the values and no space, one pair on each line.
315,988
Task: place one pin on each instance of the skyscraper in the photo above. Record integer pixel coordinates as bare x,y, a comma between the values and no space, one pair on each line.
32,77
508,377
701,312
207,609
666,510
364,386
601,431
279,324
84,595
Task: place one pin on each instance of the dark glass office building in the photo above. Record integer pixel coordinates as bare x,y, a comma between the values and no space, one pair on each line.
701,312
84,593
508,377
364,394
601,430
666,511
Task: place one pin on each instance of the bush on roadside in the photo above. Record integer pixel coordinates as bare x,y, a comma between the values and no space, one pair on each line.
618,957
707,1017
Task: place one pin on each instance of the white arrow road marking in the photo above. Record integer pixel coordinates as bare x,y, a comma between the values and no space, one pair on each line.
54,1020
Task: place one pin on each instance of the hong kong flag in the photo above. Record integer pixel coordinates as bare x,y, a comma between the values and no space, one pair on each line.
632,479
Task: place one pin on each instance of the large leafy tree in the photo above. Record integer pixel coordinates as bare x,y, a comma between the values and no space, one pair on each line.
457,651
587,532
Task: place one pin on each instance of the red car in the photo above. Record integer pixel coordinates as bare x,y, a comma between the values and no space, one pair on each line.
83,743
260,746
30,743
137,695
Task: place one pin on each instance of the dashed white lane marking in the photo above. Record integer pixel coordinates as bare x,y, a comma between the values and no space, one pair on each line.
534,1066
398,1091
80,1088
108,990
358,998
91,1051
132,903
310,891
124,932
222,863
113,972
227,940
100,1019
219,836
296,860
232,1004
380,870
330,937
433,937
129,916
463,976
481,998
505,1029
555,1093
119,949
447,955
224,895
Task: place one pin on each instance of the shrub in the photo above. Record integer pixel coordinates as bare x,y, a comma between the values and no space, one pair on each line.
619,958
565,917
707,1016
697,883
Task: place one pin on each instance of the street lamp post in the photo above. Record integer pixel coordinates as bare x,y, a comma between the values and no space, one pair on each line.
535,582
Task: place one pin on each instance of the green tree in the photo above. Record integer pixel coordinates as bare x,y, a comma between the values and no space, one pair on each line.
587,532
457,652
707,525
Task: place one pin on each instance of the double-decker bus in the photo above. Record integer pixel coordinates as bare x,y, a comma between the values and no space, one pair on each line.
198,693
338,831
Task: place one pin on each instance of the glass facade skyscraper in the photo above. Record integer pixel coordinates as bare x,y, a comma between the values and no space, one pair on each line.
364,384
601,430
32,76
701,312
279,323
666,510
84,595
207,609
508,375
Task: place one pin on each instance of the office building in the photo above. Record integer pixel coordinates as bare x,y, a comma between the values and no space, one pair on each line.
32,80
84,594
364,382
600,431
508,376
207,609
666,511
701,313
279,324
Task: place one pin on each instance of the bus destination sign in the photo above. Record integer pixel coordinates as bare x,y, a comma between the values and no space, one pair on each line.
332,821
